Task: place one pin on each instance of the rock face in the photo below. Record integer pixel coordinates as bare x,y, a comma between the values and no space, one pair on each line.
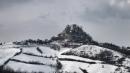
73,33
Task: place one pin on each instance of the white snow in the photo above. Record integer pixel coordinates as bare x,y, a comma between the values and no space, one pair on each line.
126,62
5,54
79,58
70,66
47,51
27,58
17,66
31,50
64,50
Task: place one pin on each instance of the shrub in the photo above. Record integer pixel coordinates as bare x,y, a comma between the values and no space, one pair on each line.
59,65
106,56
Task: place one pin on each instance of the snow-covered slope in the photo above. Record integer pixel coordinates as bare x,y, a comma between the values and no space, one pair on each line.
74,60
28,58
94,52
23,67
70,66
40,58
6,54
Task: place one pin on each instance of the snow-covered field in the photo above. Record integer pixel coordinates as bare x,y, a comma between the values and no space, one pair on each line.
28,59
70,66
48,52
18,66
44,59
30,50
6,54
78,62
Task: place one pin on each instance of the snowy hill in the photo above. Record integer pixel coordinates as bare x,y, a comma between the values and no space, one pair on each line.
30,59
94,52
88,58
71,51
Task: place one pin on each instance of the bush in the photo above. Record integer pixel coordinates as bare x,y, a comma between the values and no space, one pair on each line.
106,56
124,50
59,65
30,41
6,70
9,70
54,46
0,43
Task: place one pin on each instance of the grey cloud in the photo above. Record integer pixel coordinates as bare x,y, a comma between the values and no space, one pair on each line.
9,3
106,13
107,22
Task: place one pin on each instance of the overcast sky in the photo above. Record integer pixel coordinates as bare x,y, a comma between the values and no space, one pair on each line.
104,20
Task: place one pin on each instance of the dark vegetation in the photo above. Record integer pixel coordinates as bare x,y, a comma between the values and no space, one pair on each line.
106,56
31,41
9,70
31,54
73,33
83,70
39,50
59,65
124,50
0,43
54,46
